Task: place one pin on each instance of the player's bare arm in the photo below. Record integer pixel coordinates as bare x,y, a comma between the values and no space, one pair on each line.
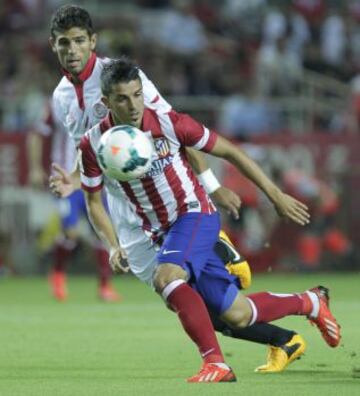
222,196
104,229
37,174
285,205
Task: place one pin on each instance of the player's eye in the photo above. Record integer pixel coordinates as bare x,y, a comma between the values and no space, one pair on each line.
63,43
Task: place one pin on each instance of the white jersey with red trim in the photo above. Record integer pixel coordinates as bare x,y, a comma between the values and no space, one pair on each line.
79,106
169,188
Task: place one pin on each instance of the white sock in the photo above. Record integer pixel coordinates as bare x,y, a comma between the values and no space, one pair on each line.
221,365
315,303
170,288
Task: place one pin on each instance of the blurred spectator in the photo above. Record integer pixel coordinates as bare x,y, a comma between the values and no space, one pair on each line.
181,31
246,114
333,39
278,71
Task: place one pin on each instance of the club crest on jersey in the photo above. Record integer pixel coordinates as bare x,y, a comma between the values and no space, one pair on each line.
99,110
162,147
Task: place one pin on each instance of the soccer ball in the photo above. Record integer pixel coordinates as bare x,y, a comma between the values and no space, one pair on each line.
124,153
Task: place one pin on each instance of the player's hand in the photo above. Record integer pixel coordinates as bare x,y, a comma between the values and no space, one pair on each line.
60,182
227,200
118,260
290,208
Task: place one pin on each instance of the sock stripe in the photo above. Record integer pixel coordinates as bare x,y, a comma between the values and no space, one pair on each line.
168,289
254,311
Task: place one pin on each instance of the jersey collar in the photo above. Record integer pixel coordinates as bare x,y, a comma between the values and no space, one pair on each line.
107,123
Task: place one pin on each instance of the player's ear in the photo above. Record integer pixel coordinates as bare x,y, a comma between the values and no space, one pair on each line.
52,43
105,100
93,41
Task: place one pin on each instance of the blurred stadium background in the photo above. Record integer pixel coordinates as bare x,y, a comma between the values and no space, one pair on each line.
282,78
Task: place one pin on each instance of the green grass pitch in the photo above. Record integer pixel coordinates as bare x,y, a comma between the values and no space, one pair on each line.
84,347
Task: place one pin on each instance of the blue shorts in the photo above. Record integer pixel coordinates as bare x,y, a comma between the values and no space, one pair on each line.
190,244
72,208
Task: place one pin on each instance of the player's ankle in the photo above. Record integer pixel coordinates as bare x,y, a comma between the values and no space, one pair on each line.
311,304
213,358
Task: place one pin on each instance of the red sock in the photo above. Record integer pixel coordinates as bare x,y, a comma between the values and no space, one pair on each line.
62,253
195,320
269,307
103,266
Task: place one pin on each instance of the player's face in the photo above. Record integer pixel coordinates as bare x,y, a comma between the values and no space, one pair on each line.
73,48
126,103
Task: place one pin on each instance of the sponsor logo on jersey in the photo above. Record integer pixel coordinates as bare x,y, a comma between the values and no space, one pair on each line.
162,147
157,166
99,110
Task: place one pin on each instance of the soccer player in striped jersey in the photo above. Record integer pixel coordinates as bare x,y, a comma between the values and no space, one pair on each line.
77,105
169,203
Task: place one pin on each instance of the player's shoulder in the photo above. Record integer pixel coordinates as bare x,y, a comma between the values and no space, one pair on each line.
62,94
91,137
62,88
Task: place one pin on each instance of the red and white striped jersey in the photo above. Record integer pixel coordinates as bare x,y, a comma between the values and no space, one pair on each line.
170,188
79,106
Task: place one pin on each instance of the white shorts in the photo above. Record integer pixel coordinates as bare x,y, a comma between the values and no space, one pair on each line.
137,245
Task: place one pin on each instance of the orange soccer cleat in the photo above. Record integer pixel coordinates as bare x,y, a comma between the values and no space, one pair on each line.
214,372
325,320
108,294
57,280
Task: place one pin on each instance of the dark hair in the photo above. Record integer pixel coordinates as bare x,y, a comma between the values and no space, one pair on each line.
69,16
118,70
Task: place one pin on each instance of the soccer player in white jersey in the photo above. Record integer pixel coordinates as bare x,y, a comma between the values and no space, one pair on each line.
169,203
76,105
73,41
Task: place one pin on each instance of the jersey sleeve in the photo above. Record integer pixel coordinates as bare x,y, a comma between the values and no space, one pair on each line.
191,133
152,97
91,176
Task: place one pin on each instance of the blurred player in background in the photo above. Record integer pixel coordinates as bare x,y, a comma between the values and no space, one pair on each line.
186,271
71,209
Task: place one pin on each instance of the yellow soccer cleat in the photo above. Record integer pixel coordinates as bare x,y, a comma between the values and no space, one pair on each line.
235,264
280,357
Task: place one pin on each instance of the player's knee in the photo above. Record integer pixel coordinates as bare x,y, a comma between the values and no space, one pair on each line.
239,314
165,274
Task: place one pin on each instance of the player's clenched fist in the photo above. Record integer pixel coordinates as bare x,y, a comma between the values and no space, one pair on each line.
118,260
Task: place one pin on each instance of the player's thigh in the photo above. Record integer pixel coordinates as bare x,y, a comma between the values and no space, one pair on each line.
190,241
142,257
